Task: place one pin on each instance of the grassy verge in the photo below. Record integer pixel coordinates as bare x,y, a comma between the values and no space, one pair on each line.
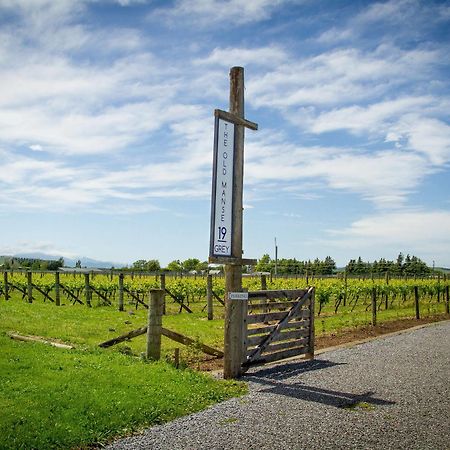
55,398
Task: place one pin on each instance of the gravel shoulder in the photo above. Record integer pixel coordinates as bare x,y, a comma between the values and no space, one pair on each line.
390,393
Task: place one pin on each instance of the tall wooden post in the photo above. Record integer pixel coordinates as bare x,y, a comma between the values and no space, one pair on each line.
154,328
57,291
235,310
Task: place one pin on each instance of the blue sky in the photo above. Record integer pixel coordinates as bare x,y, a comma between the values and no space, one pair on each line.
106,126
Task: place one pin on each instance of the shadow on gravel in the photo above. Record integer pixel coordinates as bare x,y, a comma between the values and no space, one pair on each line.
276,380
288,370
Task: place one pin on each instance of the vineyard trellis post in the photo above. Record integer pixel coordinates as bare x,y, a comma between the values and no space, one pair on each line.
29,287
374,306
162,281
57,291
154,327
447,300
6,285
416,302
121,292
209,296
87,290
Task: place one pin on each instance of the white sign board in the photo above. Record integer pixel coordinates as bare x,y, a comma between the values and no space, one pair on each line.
238,295
222,195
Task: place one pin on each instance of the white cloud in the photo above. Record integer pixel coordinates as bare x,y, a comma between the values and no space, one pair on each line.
422,233
384,177
371,118
228,57
342,76
207,13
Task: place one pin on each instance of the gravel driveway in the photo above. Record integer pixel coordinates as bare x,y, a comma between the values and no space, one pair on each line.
390,393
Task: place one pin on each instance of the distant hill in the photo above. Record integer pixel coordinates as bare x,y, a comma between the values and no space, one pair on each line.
68,262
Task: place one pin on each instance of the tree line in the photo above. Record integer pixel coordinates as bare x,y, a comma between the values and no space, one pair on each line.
402,266
31,263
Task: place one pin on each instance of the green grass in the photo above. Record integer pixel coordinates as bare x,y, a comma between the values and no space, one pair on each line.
55,398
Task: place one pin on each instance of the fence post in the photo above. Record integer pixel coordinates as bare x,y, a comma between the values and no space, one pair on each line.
87,290
312,300
345,288
447,305
374,306
121,291
6,285
264,288
29,287
163,288
439,289
57,293
386,297
154,327
416,301
209,297
263,283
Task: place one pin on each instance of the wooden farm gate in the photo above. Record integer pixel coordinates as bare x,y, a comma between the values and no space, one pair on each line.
279,325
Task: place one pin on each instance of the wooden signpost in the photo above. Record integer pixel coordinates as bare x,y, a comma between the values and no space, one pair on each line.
226,217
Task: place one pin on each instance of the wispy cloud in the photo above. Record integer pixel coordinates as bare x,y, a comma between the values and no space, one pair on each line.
416,232
207,13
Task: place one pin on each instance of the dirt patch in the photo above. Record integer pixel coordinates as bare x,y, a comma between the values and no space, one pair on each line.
342,337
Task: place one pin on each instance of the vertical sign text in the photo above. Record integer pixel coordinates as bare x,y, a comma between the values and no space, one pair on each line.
222,200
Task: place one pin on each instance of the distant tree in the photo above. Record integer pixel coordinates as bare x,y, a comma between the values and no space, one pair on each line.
202,266
329,266
78,264
265,264
175,266
54,265
139,264
190,264
152,265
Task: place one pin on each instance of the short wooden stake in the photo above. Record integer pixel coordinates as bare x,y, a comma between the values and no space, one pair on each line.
209,297
374,306
29,287
416,302
57,291
87,290
121,292
154,328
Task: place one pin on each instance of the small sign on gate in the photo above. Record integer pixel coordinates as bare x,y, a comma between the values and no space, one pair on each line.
238,295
